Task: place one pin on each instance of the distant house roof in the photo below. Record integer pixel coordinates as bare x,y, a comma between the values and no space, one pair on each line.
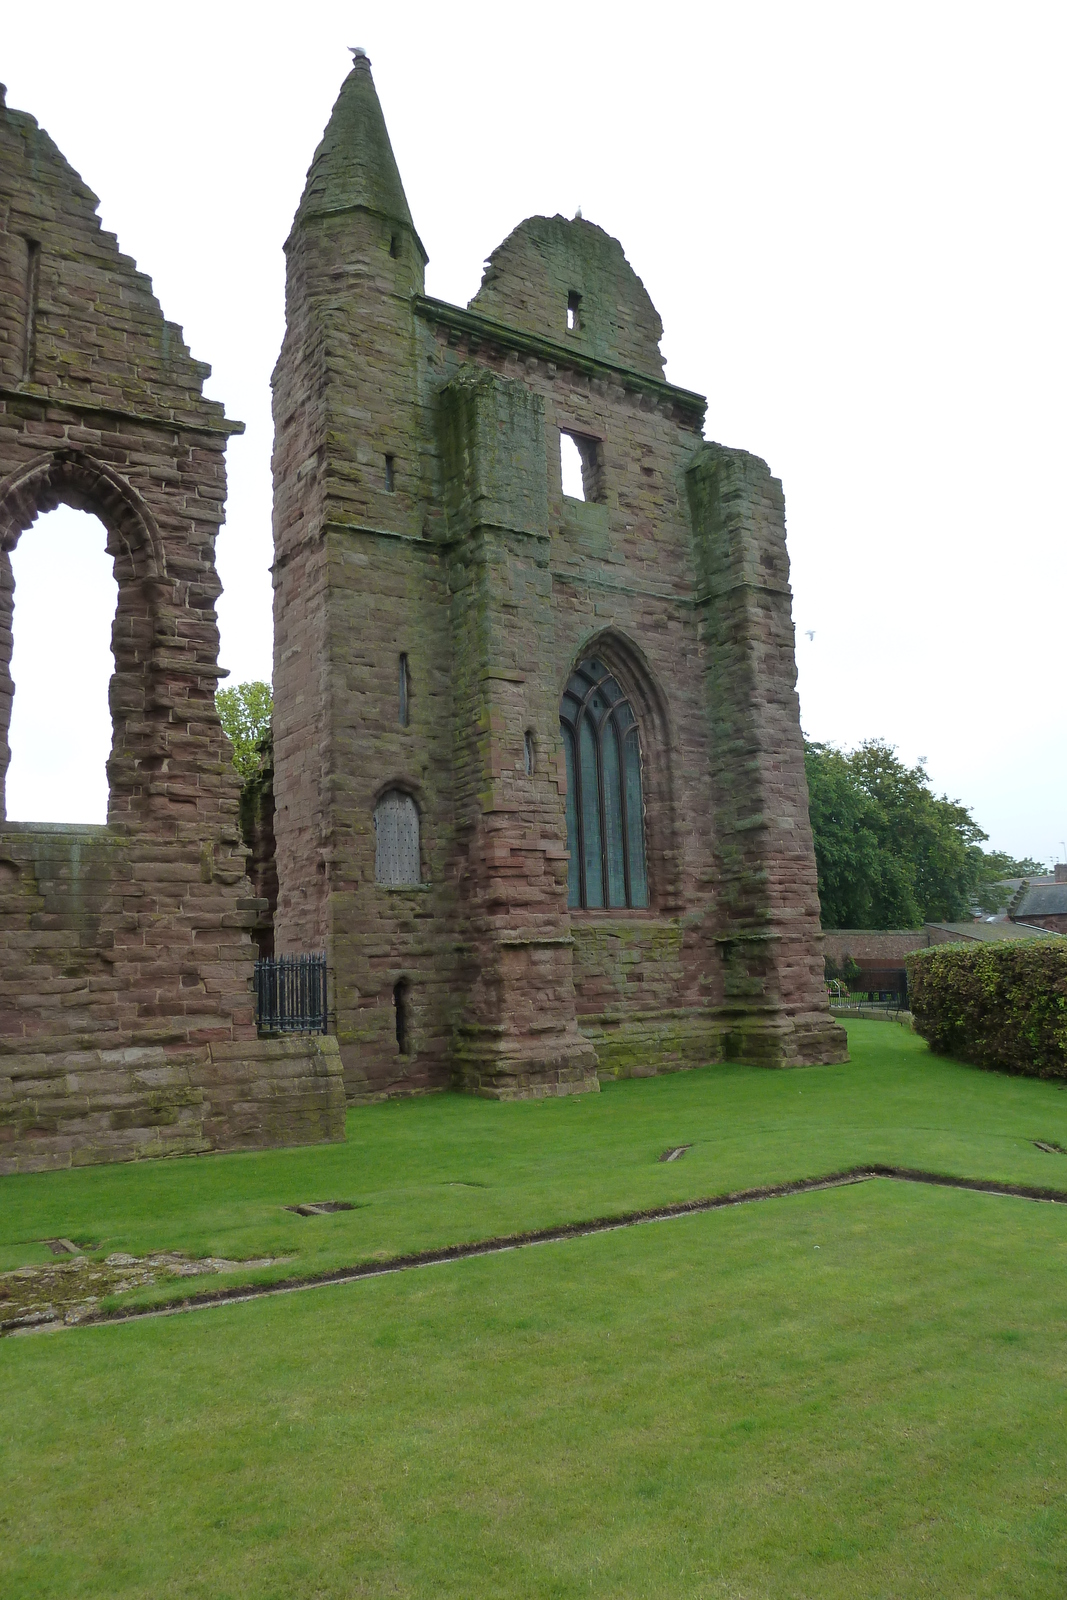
1046,899
992,932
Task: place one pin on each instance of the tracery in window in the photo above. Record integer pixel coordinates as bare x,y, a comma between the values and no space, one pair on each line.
396,845
605,811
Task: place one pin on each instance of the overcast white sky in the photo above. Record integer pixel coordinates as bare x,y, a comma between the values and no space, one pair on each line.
850,217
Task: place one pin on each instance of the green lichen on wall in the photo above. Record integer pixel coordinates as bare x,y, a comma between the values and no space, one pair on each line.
646,1047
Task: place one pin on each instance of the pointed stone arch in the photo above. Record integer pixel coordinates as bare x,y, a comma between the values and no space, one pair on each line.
628,664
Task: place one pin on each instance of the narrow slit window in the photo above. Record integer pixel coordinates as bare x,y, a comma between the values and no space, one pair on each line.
29,323
403,688
574,303
394,246
605,809
400,1009
528,752
390,474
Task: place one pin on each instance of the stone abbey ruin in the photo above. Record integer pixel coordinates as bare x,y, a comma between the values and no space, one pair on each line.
538,785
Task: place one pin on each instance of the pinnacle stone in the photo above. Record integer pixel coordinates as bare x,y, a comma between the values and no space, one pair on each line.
354,165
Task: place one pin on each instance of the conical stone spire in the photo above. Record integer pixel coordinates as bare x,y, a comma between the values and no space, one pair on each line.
354,167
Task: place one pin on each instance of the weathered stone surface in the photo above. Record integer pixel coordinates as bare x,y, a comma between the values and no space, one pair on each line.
125,955
419,513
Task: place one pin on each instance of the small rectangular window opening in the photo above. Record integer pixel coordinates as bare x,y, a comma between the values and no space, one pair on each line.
394,246
29,322
390,474
528,752
579,462
574,301
403,695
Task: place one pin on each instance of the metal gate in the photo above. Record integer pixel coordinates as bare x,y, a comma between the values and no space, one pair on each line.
291,994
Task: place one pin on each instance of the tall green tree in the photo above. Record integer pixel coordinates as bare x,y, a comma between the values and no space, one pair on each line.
245,711
889,852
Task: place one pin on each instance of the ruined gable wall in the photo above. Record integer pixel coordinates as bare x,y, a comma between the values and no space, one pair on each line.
126,1020
547,264
646,983
730,945
622,580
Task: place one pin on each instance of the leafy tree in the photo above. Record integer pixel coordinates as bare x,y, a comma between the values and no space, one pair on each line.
245,712
846,841
1005,866
890,853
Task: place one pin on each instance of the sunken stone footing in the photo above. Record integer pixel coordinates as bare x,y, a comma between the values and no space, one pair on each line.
83,1107
779,1040
506,1070
643,1047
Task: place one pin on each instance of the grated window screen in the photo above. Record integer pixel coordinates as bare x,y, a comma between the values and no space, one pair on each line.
396,851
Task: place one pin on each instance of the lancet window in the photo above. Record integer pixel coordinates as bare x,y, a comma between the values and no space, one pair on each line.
605,811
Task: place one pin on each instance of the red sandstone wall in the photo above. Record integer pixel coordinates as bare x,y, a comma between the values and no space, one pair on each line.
477,567
134,937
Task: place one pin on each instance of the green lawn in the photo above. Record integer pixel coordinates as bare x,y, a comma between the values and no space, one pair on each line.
446,1168
702,1407
855,1392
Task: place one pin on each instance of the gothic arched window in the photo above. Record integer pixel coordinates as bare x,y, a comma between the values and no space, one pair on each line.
605,814
396,843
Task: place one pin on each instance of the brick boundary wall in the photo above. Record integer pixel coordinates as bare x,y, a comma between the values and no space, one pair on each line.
1055,922
866,945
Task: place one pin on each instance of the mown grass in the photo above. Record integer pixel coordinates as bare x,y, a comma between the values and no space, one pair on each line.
849,1393
446,1168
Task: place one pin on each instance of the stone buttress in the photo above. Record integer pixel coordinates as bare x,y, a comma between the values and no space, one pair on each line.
435,590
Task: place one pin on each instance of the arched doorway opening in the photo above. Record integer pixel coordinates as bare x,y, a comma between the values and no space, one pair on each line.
65,597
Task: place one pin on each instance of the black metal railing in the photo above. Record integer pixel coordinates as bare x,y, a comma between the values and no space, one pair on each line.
876,990
291,994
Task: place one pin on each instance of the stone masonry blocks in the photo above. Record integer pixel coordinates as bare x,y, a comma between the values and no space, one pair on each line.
128,942
419,512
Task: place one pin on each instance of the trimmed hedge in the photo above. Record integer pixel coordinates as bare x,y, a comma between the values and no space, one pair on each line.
998,1005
